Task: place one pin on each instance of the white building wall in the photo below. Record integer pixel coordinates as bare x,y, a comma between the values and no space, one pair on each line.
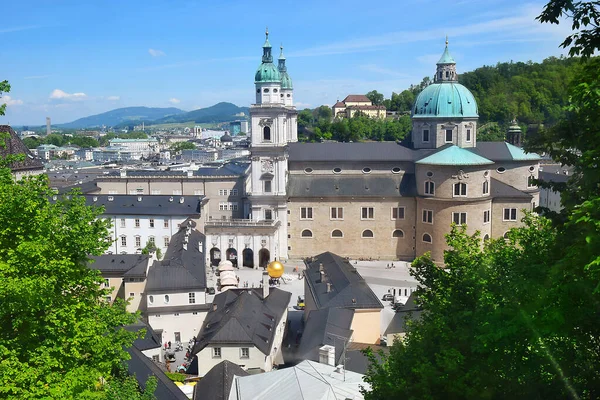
186,323
232,353
175,299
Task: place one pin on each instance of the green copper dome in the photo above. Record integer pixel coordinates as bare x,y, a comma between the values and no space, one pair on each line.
446,99
267,71
286,81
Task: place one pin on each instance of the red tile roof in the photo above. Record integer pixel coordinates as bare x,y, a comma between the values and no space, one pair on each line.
356,98
339,104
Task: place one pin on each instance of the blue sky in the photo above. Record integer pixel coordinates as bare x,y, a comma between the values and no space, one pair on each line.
69,59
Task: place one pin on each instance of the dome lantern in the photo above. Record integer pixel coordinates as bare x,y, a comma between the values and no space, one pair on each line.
446,67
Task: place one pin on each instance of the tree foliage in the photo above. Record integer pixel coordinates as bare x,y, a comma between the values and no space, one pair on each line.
375,97
4,88
182,146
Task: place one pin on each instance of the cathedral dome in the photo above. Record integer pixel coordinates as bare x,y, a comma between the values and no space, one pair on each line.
445,99
267,72
226,138
286,81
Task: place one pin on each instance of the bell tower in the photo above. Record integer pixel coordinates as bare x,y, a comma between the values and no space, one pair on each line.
273,126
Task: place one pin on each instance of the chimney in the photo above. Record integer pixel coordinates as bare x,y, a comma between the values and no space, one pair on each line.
323,277
181,200
327,355
320,267
328,287
265,284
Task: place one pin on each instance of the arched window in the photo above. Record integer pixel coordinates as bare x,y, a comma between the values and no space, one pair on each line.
167,299
398,233
150,299
267,133
337,234
367,233
307,233
486,237
506,235
430,187
486,187
427,238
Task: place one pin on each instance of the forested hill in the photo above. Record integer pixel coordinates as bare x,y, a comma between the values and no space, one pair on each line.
533,93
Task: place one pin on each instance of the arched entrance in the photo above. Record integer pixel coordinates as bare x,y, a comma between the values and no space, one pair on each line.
248,258
263,258
215,256
231,255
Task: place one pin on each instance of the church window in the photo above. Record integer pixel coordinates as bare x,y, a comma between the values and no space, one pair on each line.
267,134
289,95
427,238
337,234
510,214
367,233
460,189
427,216
396,170
266,90
486,237
267,186
447,74
501,170
307,233
308,170
429,174
430,188
257,90
337,170
448,135
398,233
274,90
366,170
486,216
281,95
425,135
459,218
440,74
530,181
486,187
468,135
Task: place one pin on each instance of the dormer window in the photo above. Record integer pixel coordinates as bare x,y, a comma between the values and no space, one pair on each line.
468,135
448,135
425,135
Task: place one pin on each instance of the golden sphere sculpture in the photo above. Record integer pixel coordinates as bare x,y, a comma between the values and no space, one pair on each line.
275,269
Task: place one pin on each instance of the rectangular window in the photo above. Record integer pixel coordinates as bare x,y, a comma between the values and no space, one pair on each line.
138,241
106,283
486,187
216,352
151,222
486,216
131,295
267,186
222,192
151,240
233,206
448,135
398,213
367,213
468,135
428,216
337,213
306,213
425,135
122,222
123,241
137,222
176,314
166,223
510,214
530,183
245,352
269,215
460,189
166,241
233,192
459,218
430,188
192,298
223,206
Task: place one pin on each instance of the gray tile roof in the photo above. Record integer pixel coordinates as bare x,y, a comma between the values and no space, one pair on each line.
348,288
553,177
182,266
345,152
126,204
14,145
151,339
217,382
235,169
119,264
502,190
242,316
318,330
411,310
502,151
401,185
143,368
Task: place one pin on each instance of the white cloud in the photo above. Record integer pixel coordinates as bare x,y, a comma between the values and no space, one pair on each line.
113,98
156,53
62,95
173,100
9,101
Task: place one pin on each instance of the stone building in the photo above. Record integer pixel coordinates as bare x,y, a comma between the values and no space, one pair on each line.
357,103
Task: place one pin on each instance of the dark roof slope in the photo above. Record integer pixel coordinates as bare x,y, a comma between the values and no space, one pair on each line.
356,98
318,330
394,185
13,146
118,264
241,316
182,267
398,323
151,339
348,152
348,288
553,177
126,204
143,367
216,384
502,190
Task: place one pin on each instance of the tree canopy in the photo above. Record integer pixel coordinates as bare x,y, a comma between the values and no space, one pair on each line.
182,146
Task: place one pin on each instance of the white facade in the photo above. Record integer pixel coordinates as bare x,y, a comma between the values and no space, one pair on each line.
167,311
144,146
131,233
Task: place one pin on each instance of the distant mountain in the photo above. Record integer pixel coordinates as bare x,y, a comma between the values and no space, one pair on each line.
220,112
122,115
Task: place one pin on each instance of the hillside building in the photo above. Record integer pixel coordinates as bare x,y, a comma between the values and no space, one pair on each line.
357,103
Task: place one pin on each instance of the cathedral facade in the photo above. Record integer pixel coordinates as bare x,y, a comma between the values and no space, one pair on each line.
379,200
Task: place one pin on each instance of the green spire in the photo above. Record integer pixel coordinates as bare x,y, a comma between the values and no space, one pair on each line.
267,57
446,57
281,66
